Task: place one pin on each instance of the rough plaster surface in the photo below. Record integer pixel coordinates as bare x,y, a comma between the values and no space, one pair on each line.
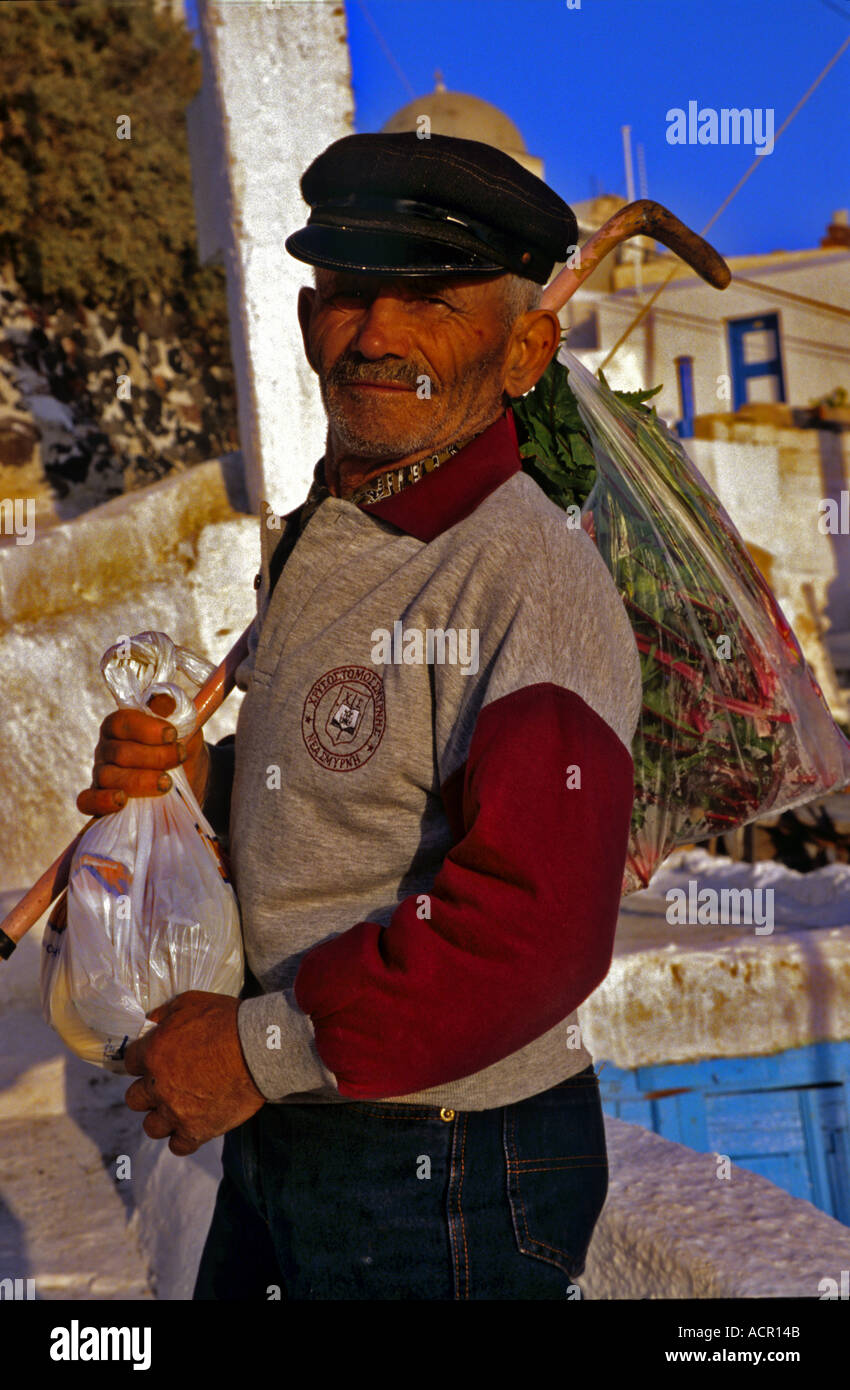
671,1228
277,91
771,481
118,545
63,1214
680,993
137,563
175,1201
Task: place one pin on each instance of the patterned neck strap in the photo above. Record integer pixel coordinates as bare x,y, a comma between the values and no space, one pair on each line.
387,484
394,480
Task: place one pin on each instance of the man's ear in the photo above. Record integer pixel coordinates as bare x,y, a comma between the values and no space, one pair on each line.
535,338
306,295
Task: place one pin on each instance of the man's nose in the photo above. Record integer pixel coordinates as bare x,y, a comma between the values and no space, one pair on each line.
383,329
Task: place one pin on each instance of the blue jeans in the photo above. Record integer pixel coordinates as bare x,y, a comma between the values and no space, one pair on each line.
367,1200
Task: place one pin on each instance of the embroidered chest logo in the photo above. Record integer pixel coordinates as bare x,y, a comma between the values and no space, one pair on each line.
344,718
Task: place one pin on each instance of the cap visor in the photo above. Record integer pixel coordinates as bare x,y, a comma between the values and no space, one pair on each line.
384,253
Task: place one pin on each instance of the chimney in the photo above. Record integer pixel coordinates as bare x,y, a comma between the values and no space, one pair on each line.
838,231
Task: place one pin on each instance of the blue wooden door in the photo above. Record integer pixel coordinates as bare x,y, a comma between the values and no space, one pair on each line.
786,1117
755,351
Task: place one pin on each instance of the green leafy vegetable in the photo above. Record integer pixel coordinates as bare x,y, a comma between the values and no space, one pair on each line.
554,442
727,695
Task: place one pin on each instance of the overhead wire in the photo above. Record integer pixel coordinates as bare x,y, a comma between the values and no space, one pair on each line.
819,305
639,317
705,323
387,51
690,315
831,5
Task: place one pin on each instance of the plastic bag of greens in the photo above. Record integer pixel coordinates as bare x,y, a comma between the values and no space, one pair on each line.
733,724
149,911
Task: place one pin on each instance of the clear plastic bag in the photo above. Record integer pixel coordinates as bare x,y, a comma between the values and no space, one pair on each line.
733,724
149,911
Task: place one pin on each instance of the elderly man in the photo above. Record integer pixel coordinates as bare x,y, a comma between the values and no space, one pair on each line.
431,784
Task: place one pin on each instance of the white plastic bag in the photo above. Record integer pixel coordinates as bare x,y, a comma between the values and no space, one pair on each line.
150,912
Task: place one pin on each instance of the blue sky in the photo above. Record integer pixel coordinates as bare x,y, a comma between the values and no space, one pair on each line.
570,78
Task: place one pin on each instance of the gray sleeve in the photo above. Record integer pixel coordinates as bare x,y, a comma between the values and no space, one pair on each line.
278,1043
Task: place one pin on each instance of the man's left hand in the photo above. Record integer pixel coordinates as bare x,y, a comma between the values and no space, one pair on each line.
194,1080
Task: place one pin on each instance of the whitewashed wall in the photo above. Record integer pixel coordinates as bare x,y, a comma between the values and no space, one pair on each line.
175,557
276,92
690,319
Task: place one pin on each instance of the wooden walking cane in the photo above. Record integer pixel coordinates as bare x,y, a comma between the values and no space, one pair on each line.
26,913
642,218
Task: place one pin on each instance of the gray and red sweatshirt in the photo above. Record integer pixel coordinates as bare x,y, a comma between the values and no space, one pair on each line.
432,792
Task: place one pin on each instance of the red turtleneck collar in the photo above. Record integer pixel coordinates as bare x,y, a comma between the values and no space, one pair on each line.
443,498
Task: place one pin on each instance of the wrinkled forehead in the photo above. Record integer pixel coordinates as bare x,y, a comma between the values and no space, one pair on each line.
363,282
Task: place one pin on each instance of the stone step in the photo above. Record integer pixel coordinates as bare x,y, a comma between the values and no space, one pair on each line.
64,1215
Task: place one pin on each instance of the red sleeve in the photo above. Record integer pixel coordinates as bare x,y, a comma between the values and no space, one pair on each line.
522,912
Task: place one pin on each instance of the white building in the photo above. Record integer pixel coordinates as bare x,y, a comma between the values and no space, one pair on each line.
772,336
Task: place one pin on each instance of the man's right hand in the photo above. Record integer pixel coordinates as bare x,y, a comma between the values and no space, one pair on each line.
134,755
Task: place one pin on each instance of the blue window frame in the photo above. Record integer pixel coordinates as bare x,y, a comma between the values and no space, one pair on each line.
754,351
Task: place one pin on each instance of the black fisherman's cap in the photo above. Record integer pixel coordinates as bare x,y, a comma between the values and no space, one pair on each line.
401,205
